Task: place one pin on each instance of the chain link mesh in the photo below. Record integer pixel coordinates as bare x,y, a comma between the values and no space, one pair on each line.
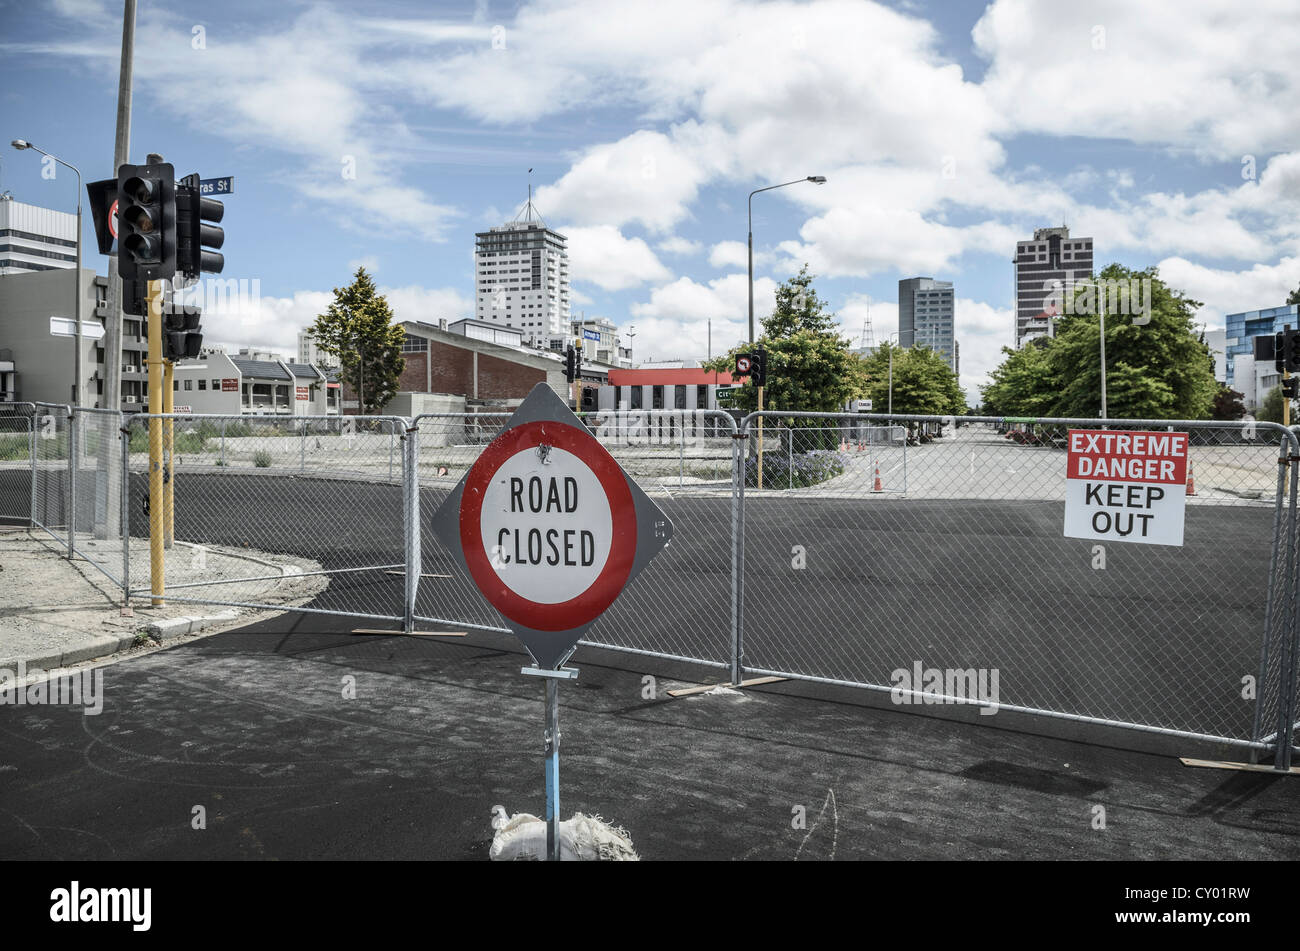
16,457
272,510
966,568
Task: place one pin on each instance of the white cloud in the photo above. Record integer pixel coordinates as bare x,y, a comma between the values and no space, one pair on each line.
1231,292
679,246
1199,74
608,259
273,323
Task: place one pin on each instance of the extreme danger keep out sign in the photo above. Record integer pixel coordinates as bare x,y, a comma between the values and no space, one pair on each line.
1126,486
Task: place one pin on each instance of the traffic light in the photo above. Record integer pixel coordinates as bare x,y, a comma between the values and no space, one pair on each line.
146,230
182,339
196,239
570,363
758,373
1291,387
1291,350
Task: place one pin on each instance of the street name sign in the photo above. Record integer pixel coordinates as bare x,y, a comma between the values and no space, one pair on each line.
212,187
1126,486
549,527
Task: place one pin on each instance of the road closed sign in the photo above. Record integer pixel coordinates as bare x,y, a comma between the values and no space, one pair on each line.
1126,486
549,527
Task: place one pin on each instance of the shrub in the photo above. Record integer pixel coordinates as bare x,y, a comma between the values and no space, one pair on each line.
262,459
804,470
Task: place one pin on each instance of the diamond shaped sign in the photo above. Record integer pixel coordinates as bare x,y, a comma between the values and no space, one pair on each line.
549,526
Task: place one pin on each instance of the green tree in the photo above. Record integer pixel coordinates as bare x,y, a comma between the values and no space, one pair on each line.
1270,410
358,328
1228,404
1294,297
924,384
810,367
1156,365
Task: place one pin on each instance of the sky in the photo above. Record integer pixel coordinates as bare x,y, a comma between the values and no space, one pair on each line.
386,133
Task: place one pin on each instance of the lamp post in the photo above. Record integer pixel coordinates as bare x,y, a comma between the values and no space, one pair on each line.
816,179
76,283
1102,311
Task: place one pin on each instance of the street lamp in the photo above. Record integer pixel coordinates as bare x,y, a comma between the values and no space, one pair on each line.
1102,311
891,364
20,144
815,179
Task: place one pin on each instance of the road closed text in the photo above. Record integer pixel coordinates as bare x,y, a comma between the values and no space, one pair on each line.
1126,486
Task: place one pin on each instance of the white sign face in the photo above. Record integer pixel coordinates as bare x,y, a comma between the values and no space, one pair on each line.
1126,486
863,406
546,526
67,327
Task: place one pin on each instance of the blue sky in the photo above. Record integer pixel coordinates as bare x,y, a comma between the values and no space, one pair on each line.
948,130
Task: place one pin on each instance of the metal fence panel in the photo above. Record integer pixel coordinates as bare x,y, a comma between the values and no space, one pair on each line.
51,476
967,570
272,509
16,458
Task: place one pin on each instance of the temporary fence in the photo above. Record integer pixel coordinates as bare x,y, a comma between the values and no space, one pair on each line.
16,455
919,555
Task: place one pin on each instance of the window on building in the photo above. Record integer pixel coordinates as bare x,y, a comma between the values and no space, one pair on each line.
176,384
657,398
216,384
635,393
203,384
702,397
679,397
189,384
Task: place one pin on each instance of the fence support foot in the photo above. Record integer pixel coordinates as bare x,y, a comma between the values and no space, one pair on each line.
1244,767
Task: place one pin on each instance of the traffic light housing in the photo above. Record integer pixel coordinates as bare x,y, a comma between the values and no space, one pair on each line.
1291,387
197,234
571,363
182,339
146,229
758,373
1290,350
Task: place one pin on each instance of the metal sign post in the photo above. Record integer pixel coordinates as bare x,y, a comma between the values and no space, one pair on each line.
551,750
551,530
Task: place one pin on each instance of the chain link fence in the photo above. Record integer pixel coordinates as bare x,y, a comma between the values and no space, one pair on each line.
269,511
858,549
967,571
52,489
16,458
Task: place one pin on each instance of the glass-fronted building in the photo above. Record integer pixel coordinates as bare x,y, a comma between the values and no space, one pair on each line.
1242,328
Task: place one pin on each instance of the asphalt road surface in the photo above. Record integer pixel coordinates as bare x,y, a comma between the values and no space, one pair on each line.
292,740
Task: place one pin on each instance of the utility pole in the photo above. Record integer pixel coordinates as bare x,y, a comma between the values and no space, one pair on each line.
108,501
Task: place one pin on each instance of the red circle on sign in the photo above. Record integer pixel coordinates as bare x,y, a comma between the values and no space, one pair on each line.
742,365
112,218
600,594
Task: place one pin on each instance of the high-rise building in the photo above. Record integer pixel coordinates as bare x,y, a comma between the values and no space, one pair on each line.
1052,256
34,238
926,316
521,277
309,352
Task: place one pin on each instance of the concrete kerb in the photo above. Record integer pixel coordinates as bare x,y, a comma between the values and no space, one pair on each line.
60,613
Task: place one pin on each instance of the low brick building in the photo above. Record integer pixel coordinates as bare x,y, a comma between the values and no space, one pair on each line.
440,361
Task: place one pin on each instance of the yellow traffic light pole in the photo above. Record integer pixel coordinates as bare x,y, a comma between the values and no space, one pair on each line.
760,438
169,456
156,387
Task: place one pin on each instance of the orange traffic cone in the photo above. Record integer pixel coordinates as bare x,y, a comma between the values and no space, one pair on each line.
844,445
878,486
1191,479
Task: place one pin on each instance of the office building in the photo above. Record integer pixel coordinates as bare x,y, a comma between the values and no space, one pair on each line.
34,238
1241,371
521,278
1052,256
925,316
